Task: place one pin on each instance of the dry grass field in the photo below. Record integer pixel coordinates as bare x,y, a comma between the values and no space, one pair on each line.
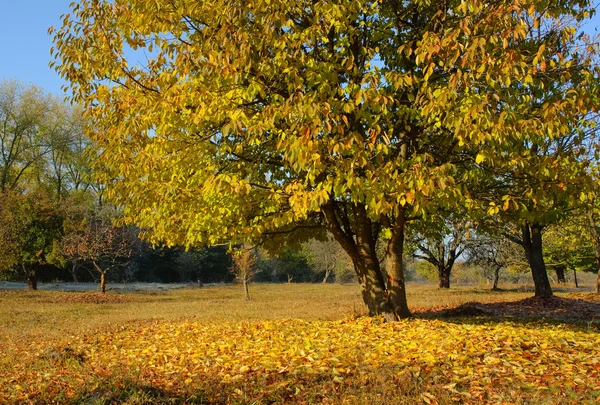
297,344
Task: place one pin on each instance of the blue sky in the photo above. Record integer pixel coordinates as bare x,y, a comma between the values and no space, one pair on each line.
25,45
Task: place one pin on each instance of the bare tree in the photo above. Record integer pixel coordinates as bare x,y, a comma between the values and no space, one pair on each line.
495,253
329,257
243,266
442,246
101,244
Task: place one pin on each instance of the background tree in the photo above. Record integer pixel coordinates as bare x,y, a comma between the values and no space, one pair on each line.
24,136
190,263
29,225
540,181
569,246
493,253
347,116
441,243
243,266
328,258
100,243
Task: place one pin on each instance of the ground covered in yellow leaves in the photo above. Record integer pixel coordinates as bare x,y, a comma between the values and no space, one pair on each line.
301,361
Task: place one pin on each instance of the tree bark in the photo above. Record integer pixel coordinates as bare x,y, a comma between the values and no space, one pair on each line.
532,244
444,275
560,274
372,283
596,236
496,278
74,273
32,281
246,292
359,242
103,282
31,276
327,273
396,284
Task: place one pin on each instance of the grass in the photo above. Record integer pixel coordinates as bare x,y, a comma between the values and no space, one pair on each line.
292,343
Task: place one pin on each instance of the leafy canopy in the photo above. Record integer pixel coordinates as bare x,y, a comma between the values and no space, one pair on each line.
249,116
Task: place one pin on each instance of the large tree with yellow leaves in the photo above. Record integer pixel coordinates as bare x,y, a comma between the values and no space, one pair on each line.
258,120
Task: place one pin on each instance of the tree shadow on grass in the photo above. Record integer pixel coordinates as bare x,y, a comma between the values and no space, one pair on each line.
577,312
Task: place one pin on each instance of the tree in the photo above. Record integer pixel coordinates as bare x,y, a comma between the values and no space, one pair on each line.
243,266
100,243
569,246
24,139
539,183
261,120
493,252
441,243
65,166
29,226
328,257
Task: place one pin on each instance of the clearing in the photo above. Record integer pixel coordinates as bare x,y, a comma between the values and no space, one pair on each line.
298,344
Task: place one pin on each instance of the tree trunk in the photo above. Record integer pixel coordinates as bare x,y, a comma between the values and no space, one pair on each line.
103,282
246,293
444,275
532,243
496,278
102,276
575,278
74,273
596,236
31,276
597,244
327,273
359,242
396,285
32,281
373,287
560,274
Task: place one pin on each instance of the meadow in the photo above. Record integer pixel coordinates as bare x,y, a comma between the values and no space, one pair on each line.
298,344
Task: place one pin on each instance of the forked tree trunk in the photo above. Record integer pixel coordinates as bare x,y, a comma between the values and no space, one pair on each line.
372,283
532,244
359,242
102,277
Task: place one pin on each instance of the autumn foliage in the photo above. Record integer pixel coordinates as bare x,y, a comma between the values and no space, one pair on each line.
294,361
260,120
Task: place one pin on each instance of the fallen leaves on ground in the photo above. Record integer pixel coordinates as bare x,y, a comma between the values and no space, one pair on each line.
89,298
293,361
